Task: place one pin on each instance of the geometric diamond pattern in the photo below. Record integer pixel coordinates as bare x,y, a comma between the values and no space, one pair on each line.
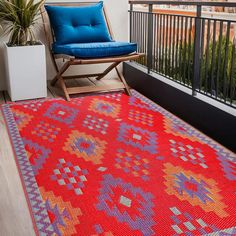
33,106
194,188
99,231
187,153
133,101
127,204
139,138
180,129
141,117
228,163
63,216
62,113
114,96
22,119
103,107
133,164
97,124
185,223
86,146
70,176
46,131
37,154
77,101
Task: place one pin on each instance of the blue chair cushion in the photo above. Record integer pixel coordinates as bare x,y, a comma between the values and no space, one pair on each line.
83,24
95,50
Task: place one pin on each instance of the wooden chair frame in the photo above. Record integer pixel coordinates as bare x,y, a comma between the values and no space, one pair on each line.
70,60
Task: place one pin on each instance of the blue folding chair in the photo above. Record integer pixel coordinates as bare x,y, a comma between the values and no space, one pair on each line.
79,33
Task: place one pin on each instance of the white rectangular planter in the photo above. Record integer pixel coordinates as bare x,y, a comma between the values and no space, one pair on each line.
26,72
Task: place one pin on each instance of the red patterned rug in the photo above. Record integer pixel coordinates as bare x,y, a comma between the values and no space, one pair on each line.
116,165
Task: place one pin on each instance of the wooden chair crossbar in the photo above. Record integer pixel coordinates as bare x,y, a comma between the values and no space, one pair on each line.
71,61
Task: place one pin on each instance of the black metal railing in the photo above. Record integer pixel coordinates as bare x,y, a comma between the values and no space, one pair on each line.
193,50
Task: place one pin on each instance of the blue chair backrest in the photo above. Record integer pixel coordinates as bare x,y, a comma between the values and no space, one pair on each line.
82,24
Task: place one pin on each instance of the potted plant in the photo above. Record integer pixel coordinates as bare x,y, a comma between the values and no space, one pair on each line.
24,55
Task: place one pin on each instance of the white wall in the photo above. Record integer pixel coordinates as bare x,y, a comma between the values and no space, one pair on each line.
117,11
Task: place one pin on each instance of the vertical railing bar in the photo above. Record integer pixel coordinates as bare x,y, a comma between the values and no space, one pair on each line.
185,48
219,58
169,50
150,37
130,22
232,73
160,41
154,42
190,49
202,52
157,42
141,35
166,46
140,40
156,45
163,44
134,26
197,49
177,49
207,56
213,58
173,48
146,37
141,32
137,30
143,41
226,61
180,49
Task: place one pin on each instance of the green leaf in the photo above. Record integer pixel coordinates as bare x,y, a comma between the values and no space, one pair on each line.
19,17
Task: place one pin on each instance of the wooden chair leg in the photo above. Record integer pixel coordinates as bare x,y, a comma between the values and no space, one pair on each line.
110,68
64,89
61,71
54,62
122,79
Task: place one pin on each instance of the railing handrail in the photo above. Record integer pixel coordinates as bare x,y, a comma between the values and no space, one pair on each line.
190,3
172,14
